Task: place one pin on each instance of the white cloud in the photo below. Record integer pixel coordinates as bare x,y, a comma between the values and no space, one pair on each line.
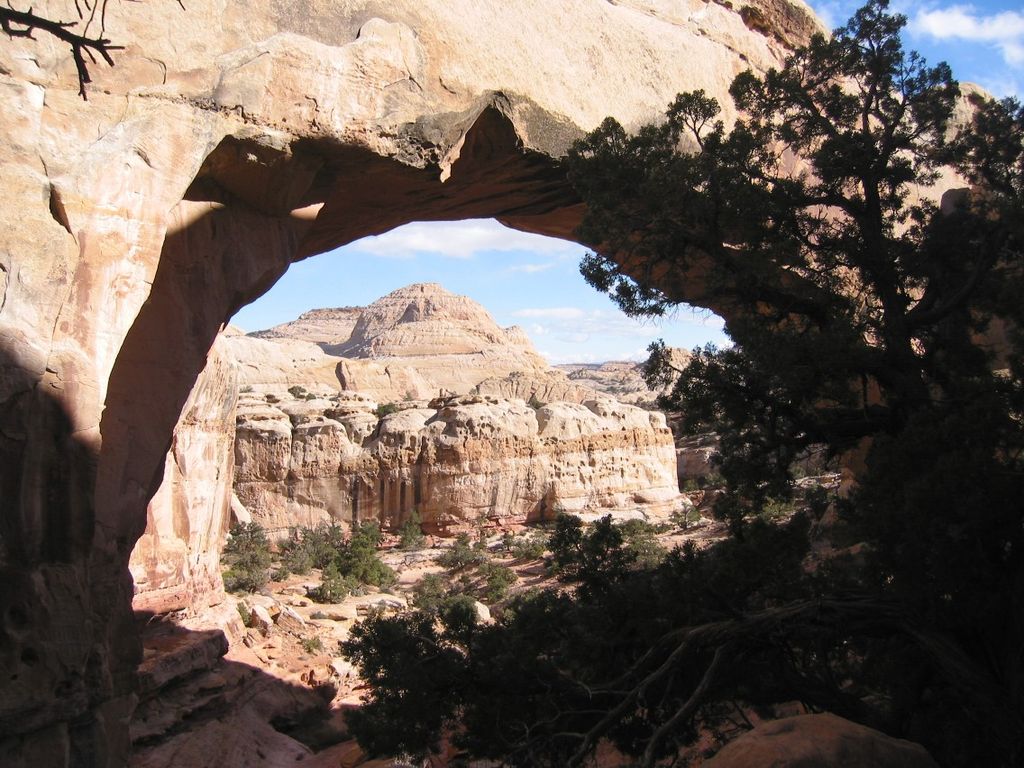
558,313
463,240
1005,29
530,269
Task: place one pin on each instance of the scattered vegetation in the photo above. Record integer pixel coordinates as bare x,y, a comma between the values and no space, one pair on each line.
462,554
410,535
527,546
384,409
921,637
247,554
312,644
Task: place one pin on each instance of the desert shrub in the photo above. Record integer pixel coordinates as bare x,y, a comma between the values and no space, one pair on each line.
497,580
430,592
384,409
312,644
461,555
641,538
410,536
298,560
333,586
297,392
534,403
245,613
247,553
358,560
684,517
528,546
271,398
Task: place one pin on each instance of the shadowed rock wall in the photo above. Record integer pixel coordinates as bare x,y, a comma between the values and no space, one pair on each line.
230,140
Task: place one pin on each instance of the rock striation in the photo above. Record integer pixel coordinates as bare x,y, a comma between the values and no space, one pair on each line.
457,462
326,327
175,565
450,341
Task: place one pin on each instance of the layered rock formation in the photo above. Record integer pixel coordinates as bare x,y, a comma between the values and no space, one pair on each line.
325,327
451,342
228,141
457,462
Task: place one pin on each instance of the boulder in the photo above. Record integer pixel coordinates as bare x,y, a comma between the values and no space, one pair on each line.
819,741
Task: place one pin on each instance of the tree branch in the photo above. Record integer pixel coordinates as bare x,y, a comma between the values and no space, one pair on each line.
24,23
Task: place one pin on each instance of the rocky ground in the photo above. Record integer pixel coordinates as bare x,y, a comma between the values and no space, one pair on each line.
261,678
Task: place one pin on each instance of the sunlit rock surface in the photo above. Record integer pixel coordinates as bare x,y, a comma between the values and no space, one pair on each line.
456,463
228,141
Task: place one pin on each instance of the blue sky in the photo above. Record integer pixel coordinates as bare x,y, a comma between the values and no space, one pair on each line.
534,282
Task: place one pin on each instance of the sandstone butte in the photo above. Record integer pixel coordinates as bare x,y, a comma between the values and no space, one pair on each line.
457,461
230,140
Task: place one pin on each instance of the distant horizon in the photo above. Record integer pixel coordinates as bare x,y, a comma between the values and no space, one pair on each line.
558,318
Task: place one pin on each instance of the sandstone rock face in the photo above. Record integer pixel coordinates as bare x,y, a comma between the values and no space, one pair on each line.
450,341
325,327
230,140
822,741
274,365
176,563
455,462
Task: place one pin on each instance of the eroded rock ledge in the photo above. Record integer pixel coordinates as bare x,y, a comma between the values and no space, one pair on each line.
457,462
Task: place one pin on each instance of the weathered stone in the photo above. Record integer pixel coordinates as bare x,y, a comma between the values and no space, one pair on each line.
458,462
819,741
261,620
228,141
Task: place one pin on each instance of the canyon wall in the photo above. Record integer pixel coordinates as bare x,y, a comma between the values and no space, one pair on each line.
458,463
229,140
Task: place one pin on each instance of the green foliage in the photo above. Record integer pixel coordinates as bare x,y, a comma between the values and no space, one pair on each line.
685,517
461,555
359,560
497,580
245,613
312,644
855,307
415,673
534,403
410,536
247,553
527,546
299,393
603,555
346,562
384,409
333,586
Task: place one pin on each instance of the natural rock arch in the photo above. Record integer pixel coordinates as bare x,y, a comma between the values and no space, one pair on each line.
226,144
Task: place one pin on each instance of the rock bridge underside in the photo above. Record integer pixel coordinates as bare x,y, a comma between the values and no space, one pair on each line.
229,141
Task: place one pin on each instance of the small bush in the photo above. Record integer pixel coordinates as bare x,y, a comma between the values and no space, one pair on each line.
410,536
333,586
531,546
297,392
430,592
246,389
534,403
312,644
245,612
497,580
318,615
384,409
461,555
271,398
247,553
684,517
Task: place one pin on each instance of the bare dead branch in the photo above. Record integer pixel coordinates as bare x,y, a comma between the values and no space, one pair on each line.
24,23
